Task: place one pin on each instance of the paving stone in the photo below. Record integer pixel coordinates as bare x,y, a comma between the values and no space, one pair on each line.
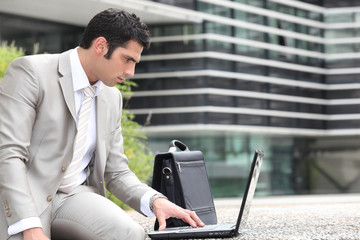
330,217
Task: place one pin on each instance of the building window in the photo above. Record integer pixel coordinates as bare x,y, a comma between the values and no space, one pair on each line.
51,37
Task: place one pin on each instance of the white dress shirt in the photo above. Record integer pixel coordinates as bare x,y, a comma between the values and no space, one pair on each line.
81,82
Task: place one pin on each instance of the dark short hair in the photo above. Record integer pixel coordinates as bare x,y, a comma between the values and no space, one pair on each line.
117,27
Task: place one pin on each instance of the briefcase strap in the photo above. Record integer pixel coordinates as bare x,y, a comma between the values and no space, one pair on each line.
174,144
168,180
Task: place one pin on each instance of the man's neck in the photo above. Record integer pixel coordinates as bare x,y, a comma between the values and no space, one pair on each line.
86,61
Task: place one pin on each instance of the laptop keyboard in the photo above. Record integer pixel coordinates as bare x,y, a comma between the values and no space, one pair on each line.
200,229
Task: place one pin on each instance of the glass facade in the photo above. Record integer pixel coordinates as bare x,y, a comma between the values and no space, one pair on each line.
228,159
294,165
287,69
37,35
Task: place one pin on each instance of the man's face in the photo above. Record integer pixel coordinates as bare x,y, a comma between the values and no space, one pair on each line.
121,64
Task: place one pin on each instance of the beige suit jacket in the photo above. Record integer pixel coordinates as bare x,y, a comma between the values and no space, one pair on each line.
37,131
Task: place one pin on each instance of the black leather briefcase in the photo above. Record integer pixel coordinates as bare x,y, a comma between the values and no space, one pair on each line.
182,178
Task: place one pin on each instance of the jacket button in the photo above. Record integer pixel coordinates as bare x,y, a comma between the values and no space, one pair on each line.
6,205
8,213
49,198
63,168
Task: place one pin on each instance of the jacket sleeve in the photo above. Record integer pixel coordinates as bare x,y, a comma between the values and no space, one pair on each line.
18,100
120,180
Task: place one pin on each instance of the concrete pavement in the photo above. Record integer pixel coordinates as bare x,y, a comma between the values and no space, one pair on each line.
290,217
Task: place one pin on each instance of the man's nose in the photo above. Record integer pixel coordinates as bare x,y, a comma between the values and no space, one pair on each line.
130,71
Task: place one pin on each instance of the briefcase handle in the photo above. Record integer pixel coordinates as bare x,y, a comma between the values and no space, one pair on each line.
174,144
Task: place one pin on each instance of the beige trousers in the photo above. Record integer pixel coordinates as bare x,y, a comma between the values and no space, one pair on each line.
83,214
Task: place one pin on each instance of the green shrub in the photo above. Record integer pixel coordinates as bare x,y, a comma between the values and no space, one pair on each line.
7,54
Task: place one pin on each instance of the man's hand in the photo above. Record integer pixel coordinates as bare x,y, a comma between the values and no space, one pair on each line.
165,209
34,234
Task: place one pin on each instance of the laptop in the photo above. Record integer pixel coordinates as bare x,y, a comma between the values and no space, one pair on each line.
218,230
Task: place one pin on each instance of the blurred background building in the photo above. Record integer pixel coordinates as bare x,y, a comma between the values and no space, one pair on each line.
228,77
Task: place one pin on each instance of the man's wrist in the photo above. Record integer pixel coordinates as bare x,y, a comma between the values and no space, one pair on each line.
24,224
153,198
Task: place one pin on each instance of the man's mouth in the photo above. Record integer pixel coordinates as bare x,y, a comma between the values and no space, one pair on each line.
120,80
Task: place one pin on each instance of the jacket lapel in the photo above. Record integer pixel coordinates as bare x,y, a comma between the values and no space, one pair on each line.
66,82
101,116
98,164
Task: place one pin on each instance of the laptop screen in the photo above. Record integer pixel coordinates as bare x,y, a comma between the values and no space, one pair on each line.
250,189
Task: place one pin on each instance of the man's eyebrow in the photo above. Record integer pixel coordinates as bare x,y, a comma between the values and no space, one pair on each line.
131,59
134,60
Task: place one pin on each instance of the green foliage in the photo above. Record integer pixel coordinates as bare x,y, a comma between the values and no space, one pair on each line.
7,54
139,155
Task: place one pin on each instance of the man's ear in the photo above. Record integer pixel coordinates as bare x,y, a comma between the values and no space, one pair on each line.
101,46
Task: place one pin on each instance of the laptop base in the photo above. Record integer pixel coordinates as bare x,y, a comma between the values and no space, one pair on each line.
209,231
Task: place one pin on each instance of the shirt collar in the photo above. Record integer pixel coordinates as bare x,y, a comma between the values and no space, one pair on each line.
79,77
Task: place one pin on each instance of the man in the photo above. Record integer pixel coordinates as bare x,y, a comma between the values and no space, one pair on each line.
60,140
